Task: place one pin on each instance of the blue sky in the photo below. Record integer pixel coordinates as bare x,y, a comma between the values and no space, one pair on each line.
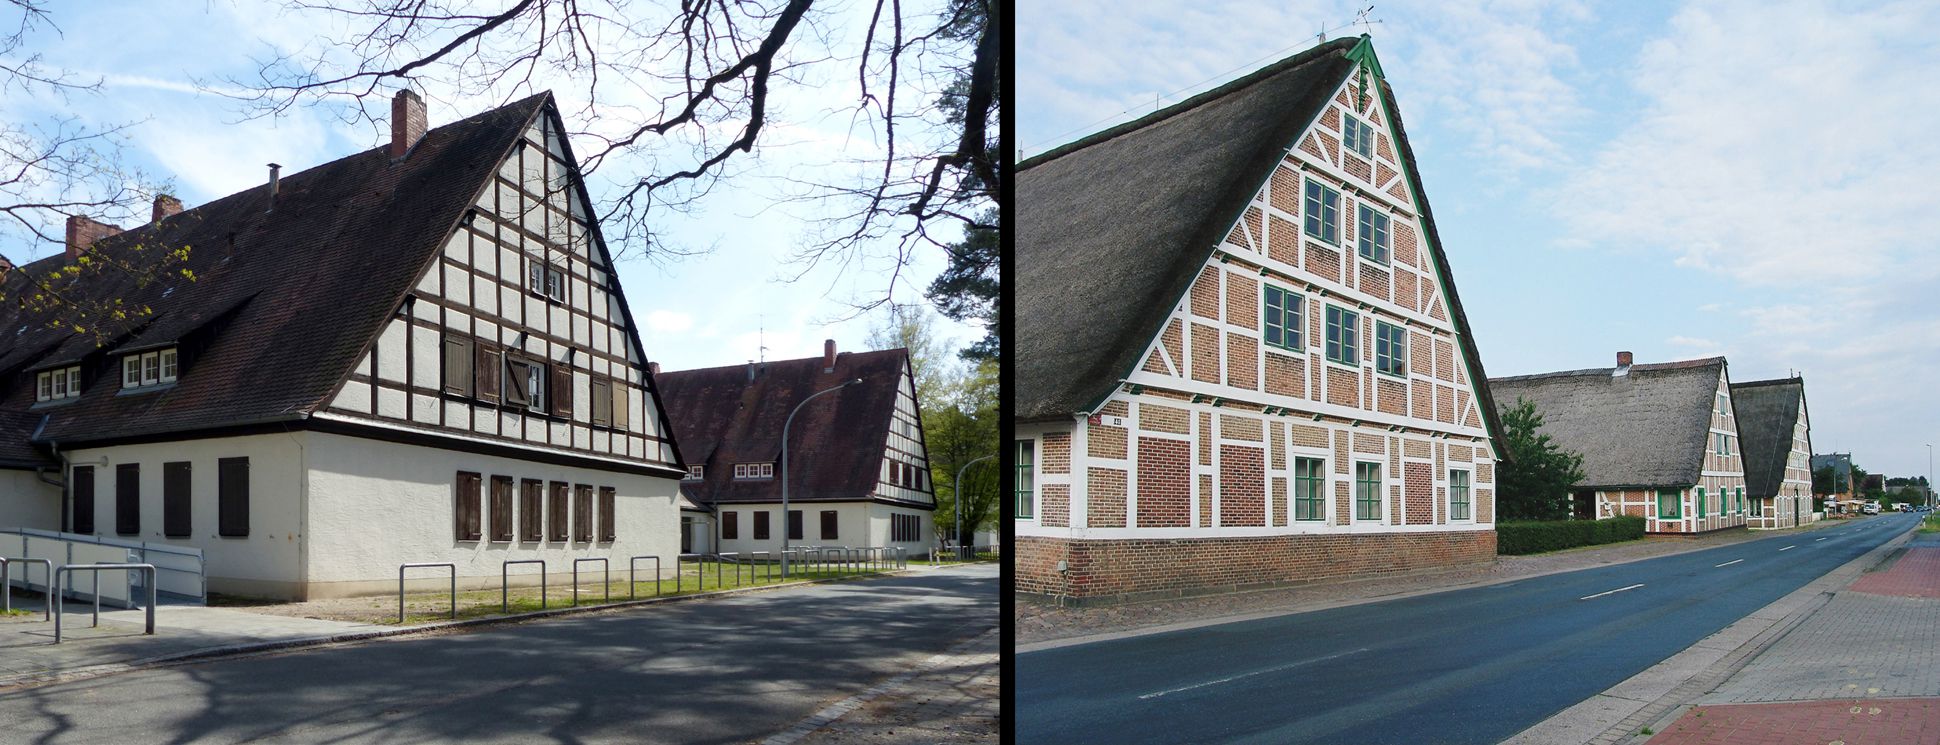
699,311
1679,180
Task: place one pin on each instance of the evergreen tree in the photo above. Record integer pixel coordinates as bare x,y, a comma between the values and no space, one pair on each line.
1533,482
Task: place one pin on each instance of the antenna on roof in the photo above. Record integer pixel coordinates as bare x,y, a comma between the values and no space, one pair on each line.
1367,25
761,339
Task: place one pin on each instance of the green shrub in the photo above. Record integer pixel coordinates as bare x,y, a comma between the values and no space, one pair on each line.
1534,537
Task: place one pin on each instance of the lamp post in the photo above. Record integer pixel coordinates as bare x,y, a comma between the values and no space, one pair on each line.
959,500
784,467
1929,489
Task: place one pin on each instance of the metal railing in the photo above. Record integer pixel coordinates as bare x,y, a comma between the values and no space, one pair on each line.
504,579
182,565
427,564
632,584
6,583
700,566
608,584
767,565
62,572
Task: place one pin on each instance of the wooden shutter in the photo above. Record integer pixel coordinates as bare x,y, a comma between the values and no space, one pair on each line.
562,390
501,508
175,500
583,513
486,371
730,526
466,514
81,495
232,497
128,498
622,415
602,401
516,385
556,512
607,495
794,525
531,519
458,365
761,525
828,525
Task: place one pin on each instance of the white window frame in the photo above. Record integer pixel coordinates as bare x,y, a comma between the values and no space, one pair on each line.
767,471
696,473
131,371
151,368
169,369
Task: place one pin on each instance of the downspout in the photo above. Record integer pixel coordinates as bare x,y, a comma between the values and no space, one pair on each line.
302,511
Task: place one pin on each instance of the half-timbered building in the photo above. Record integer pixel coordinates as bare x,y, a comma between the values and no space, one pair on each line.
1241,359
1659,441
1777,431
417,353
858,472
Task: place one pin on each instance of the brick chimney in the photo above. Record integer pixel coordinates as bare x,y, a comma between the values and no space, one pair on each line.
165,205
1623,365
83,232
407,122
828,355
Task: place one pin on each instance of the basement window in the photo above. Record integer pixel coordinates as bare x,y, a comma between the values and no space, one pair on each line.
57,385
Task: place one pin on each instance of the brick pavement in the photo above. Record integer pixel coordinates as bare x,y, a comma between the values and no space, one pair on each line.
1836,722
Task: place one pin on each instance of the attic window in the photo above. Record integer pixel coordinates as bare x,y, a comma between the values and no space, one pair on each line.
696,473
57,385
148,368
754,470
1358,136
542,278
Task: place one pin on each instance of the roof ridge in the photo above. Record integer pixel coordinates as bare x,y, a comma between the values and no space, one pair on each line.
790,360
1297,59
1646,367
1774,381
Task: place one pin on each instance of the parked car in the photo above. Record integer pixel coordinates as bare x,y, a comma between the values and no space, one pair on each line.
1869,508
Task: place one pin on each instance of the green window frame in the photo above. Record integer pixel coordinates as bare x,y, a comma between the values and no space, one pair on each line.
1700,502
1358,136
1390,349
1343,336
1367,491
1026,503
1741,499
1308,497
1322,212
1373,238
1670,504
1285,311
1458,495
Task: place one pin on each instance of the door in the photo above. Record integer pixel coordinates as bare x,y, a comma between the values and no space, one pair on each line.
1583,505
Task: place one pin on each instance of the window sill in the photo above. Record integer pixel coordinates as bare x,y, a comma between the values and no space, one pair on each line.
1343,365
1402,376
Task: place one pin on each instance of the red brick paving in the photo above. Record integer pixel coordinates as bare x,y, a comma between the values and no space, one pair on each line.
1893,721
1915,575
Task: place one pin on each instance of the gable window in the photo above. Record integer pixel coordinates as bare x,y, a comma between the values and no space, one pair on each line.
1390,349
1367,491
1372,238
1025,496
148,368
525,383
1739,497
542,278
56,385
1308,499
1358,136
1343,336
754,470
602,393
1283,311
1721,450
696,473
1323,212
1669,505
1458,498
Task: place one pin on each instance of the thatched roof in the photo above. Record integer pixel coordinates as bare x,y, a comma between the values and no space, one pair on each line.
1112,228
1648,428
1767,412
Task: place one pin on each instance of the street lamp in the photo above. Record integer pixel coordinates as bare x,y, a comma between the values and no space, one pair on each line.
1929,488
959,501
784,468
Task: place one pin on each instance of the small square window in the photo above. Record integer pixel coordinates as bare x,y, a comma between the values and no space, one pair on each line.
131,371
767,470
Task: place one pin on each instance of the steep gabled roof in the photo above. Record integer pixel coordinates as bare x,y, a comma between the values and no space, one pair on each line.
722,416
1767,412
1113,228
298,288
1648,428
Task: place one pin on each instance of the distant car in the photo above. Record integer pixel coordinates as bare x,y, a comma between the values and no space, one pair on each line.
1870,509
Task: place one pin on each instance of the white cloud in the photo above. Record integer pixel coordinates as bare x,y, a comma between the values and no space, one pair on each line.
1686,341
669,321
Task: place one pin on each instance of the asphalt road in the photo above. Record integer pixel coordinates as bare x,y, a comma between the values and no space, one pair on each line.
719,671
1464,666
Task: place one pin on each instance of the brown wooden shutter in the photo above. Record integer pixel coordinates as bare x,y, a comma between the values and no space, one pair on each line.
622,415
128,498
562,390
761,525
583,513
730,527
175,500
501,508
81,495
602,402
232,497
467,511
486,371
458,365
828,525
556,512
607,532
531,518
516,385
794,525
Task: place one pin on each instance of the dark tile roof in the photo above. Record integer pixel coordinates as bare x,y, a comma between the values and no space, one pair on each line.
285,299
16,451
835,451
1767,412
1113,228
1649,428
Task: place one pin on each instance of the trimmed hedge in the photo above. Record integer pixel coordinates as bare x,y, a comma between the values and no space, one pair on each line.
1538,536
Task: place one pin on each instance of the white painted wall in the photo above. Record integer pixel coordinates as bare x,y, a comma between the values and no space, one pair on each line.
858,524
25,502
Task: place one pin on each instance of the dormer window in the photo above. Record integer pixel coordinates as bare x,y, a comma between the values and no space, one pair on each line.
754,470
148,368
695,473
56,385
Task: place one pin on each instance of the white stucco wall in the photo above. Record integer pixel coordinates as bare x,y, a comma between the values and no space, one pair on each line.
25,502
858,524
374,505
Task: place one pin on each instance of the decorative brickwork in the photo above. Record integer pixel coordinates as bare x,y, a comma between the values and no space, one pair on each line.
1240,428
1164,483
1405,294
1243,361
1391,396
1356,167
1323,261
1374,281
1105,498
1242,486
1343,387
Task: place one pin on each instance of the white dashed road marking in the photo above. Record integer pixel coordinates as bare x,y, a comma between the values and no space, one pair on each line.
1729,563
1289,665
1611,592
1788,548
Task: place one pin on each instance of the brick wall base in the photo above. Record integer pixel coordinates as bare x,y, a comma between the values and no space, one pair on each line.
1127,570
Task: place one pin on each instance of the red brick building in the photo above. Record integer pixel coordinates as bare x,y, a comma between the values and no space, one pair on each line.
1241,360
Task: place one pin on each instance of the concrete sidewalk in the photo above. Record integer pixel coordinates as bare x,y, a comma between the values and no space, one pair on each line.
1863,668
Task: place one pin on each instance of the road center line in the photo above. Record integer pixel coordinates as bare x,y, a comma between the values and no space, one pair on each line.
1816,540
1251,674
1788,548
1729,563
1611,592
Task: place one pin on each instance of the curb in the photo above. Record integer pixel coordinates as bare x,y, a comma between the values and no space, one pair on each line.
28,680
1765,626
